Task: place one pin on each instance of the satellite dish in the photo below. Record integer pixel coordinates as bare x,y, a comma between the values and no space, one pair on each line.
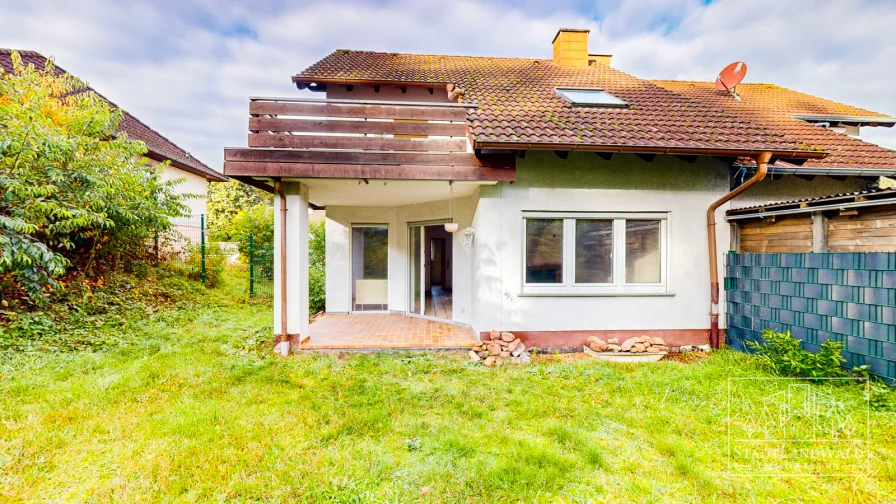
730,77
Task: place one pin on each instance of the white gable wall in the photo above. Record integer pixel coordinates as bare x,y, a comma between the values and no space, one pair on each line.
192,184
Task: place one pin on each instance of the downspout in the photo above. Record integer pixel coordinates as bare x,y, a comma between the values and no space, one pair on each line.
282,345
762,169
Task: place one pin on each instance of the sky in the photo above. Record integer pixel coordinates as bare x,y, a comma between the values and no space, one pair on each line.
187,67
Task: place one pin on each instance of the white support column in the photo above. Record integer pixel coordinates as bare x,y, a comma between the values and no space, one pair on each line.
296,260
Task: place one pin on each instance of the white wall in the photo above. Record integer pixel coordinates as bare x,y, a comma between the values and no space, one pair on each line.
193,185
586,183
487,281
339,221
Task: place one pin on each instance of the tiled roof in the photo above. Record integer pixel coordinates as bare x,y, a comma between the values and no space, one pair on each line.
159,147
772,106
517,103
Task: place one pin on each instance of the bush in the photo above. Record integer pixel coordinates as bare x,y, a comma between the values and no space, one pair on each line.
257,221
317,271
782,354
224,203
75,193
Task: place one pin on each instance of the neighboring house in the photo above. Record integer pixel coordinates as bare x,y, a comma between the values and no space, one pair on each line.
581,193
159,149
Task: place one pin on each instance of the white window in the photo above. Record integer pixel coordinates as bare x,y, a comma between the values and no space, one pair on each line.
590,97
596,253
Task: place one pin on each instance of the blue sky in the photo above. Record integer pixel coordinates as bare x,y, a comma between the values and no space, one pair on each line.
187,67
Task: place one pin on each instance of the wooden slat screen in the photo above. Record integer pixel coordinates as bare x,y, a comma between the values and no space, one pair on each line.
784,234
362,139
866,232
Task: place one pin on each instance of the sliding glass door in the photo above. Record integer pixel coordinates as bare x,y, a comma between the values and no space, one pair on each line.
370,268
416,264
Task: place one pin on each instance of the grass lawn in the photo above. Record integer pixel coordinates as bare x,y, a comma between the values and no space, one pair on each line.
191,407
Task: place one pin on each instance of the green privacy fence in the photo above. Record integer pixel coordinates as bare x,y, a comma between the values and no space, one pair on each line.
847,297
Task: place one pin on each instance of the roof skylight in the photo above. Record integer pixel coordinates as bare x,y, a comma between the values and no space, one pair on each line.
589,97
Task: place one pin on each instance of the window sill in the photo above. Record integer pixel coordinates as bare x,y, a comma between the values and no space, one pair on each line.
595,294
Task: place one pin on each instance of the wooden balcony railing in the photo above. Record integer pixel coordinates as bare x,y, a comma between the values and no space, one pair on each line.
308,138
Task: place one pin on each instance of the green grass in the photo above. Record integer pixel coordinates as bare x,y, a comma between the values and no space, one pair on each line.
194,408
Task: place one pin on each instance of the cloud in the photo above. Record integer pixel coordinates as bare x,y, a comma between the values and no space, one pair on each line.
188,68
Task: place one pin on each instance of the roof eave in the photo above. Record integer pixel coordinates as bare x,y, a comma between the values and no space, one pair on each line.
305,80
651,149
884,121
210,175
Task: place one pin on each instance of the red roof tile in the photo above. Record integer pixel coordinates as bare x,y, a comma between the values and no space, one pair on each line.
517,103
772,106
159,147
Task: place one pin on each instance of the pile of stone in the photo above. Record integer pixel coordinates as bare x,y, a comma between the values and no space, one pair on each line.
503,347
637,344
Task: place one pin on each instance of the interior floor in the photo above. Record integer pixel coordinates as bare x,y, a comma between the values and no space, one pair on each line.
438,303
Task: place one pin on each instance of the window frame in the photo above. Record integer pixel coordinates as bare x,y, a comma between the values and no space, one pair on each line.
618,104
619,285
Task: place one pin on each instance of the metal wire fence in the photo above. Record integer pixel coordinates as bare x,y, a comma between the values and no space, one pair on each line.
261,269
187,250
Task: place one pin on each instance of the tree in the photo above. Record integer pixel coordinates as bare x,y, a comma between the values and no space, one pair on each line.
225,200
76,193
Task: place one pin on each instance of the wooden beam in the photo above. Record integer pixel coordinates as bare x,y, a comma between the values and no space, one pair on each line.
562,154
338,126
256,184
356,143
366,157
647,157
838,178
819,232
343,171
687,159
735,237
804,177
605,155
366,111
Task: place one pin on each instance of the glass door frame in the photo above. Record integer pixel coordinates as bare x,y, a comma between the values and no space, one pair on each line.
351,265
422,261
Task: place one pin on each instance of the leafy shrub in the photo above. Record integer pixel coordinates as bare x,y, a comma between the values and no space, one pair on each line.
782,354
317,270
224,202
257,221
75,193
96,314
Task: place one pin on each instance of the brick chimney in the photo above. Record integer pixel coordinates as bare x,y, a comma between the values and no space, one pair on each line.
571,48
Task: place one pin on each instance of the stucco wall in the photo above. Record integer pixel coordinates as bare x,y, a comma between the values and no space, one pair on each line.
192,184
338,224
586,183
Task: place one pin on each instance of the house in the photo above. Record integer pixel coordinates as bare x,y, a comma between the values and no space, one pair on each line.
556,198
182,165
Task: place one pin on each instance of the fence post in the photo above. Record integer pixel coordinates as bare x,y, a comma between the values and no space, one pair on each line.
202,238
251,265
